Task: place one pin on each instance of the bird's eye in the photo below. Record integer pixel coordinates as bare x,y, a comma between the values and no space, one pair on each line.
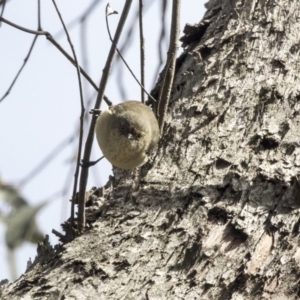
123,129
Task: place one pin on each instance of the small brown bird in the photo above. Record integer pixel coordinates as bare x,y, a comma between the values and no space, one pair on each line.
127,133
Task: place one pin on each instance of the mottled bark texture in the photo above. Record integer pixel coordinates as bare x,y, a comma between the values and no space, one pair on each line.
215,213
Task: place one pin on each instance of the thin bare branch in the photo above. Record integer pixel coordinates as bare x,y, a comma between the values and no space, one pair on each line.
2,8
170,70
142,49
39,15
76,174
90,137
107,101
20,70
58,234
39,32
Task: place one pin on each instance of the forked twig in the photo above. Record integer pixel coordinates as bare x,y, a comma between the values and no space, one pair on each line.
90,137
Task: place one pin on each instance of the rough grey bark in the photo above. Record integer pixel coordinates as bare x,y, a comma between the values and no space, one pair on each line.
215,214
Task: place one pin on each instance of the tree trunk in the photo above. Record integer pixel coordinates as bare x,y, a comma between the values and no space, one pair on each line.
215,213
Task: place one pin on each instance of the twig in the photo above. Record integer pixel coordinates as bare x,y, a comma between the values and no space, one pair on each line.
39,15
58,234
39,32
142,50
50,38
20,70
127,64
146,295
2,9
170,71
90,137
164,75
76,175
